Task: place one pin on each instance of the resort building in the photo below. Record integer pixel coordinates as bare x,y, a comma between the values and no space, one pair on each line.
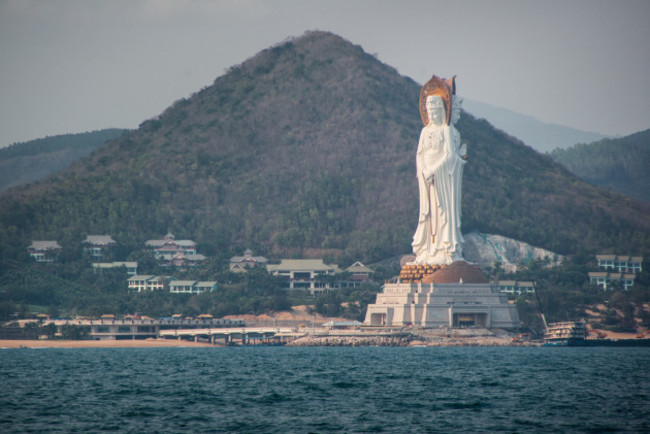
612,281
44,251
142,283
96,245
131,267
191,286
172,252
516,287
243,263
616,271
358,274
620,264
309,274
183,260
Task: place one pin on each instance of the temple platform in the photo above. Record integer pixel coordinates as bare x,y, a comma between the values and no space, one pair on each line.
434,305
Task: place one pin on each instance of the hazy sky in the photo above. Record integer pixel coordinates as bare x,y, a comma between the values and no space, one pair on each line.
69,66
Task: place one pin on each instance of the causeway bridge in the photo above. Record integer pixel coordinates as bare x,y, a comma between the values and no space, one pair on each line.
215,331
235,335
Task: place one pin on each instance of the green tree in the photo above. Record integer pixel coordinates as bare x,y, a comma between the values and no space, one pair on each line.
50,330
74,332
31,330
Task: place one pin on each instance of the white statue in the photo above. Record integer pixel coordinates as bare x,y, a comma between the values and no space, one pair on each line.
439,162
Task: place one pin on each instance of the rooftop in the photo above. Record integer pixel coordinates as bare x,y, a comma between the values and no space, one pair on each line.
99,239
358,267
303,265
44,245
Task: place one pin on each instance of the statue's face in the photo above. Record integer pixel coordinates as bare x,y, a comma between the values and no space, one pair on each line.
436,110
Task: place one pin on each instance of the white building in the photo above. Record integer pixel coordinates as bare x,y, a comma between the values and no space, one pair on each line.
620,264
306,274
616,270
172,252
44,251
191,286
95,245
516,287
142,283
606,280
359,274
242,263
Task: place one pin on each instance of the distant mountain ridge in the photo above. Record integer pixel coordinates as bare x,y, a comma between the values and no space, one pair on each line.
309,146
541,136
34,160
621,165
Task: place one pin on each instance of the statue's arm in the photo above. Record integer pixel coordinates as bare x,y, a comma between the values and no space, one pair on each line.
422,158
428,164
463,151
428,171
434,155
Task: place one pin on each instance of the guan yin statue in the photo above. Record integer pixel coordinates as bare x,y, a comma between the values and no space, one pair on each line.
439,162
436,287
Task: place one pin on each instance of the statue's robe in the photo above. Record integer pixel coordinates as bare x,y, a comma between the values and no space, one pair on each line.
438,239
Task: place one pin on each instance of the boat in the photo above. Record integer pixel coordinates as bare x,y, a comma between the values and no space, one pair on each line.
568,333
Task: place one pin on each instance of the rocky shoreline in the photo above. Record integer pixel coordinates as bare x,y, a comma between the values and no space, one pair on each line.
412,338
350,341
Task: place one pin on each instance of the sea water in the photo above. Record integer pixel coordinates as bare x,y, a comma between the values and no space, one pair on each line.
325,389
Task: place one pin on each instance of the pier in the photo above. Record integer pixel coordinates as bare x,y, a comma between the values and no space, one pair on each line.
235,335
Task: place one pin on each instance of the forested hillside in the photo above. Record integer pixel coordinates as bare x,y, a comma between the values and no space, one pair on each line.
308,148
25,162
622,165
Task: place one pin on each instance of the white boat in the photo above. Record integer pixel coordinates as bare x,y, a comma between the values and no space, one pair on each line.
568,333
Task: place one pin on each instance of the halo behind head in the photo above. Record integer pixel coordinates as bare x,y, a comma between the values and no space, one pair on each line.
444,88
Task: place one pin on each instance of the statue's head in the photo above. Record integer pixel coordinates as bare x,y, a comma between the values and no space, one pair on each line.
436,110
456,106
444,89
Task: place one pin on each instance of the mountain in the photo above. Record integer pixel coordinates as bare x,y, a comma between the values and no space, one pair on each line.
308,149
25,162
542,136
617,164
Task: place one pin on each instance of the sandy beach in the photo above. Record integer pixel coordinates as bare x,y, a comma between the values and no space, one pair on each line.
146,343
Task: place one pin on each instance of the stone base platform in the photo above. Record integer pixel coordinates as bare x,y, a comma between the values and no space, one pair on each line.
456,272
434,305
411,273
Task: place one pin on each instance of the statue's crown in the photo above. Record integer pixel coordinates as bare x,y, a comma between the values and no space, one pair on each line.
436,86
